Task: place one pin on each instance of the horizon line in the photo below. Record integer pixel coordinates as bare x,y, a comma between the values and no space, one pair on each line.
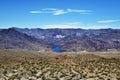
57,28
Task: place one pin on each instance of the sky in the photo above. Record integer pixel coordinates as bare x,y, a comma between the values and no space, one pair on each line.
86,14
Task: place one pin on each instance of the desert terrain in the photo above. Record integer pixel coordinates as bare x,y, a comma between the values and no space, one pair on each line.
24,65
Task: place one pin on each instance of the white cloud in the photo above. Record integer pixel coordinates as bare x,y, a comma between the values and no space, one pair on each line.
35,12
78,11
108,21
76,25
59,12
59,26
39,12
55,11
64,25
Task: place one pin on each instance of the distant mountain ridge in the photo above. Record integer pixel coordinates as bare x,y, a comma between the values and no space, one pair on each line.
71,40
13,39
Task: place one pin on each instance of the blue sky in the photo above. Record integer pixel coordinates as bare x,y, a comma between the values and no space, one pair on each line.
87,14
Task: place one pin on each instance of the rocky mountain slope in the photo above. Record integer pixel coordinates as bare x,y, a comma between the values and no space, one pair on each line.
79,39
13,39
74,40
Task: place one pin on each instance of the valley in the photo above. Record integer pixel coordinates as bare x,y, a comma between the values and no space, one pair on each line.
59,54
69,40
59,40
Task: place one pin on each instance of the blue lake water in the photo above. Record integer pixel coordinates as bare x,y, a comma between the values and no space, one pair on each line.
57,48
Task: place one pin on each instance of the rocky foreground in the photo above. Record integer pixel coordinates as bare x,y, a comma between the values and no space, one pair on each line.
21,65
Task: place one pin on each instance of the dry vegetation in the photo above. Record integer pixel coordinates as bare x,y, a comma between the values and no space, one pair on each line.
21,65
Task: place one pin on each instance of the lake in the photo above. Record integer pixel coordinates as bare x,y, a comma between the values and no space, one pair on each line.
57,48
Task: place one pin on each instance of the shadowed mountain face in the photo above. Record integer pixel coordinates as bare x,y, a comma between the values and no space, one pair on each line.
67,39
13,39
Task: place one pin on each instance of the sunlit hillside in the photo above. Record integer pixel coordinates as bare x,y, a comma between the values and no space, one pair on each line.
21,65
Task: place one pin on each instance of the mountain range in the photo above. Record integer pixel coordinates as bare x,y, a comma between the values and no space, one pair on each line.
70,40
13,39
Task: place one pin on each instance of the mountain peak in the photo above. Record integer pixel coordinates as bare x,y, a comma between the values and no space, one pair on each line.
13,39
9,30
